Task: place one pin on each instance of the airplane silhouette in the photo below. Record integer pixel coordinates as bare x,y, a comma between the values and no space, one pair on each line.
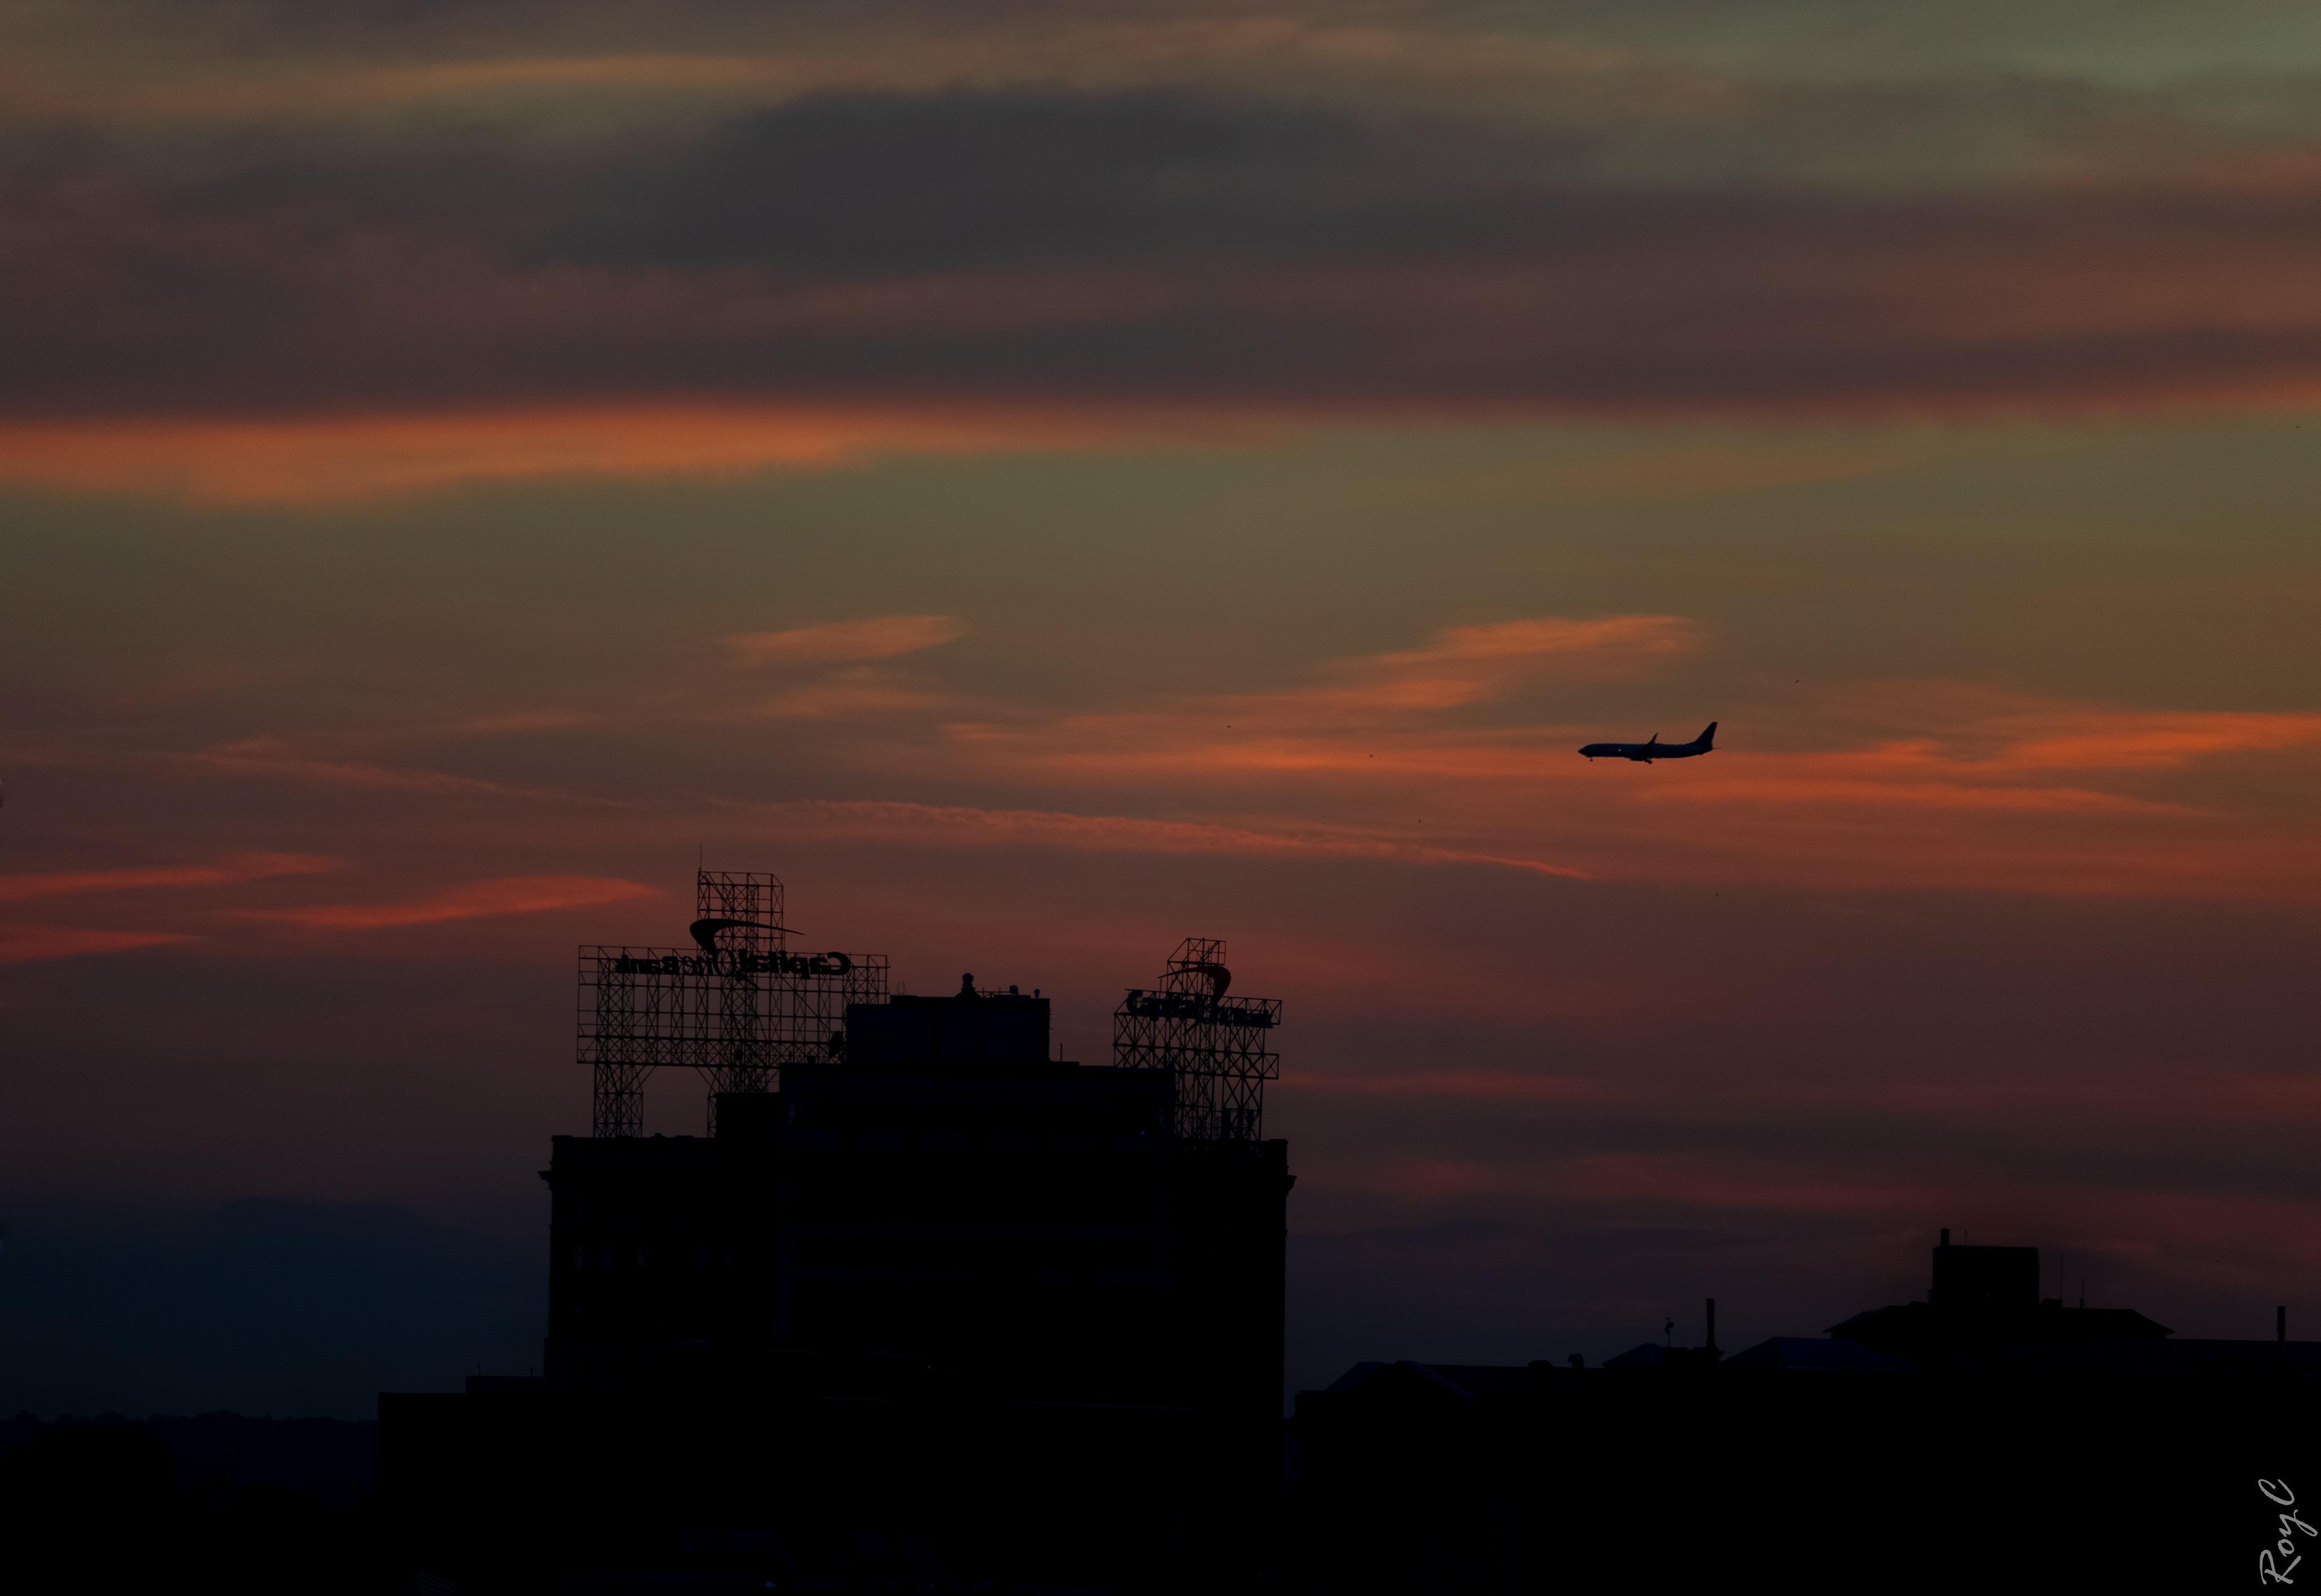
1644,753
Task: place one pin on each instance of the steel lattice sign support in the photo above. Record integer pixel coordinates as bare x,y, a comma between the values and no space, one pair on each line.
1213,1045
735,1007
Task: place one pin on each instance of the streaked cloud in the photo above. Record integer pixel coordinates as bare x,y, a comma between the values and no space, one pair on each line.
333,459
475,900
1457,751
932,51
2159,741
1733,1185
24,944
275,758
1291,727
804,242
238,868
959,826
849,698
266,755
1510,1084
1469,664
879,638
1618,636
1396,745
518,720
1794,782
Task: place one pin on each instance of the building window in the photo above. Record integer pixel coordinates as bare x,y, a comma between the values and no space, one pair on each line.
580,1257
641,1257
604,1257
701,1257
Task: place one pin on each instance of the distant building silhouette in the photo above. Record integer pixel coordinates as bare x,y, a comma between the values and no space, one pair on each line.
1994,1419
1985,1301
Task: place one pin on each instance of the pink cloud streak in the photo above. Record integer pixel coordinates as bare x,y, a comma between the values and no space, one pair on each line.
20,944
475,900
238,868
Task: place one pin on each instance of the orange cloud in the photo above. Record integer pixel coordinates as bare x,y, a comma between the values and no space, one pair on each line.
1141,745
955,826
2161,741
1968,801
238,868
990,53
845,696
1367,763
475,900
26,944
1805,787
341,460
1461,665
840,640
269,756
1616,636
1466,665
523,721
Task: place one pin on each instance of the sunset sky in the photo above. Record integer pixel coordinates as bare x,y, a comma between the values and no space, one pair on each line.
1048,480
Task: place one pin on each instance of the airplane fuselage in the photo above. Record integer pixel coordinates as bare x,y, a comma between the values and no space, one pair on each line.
1644,753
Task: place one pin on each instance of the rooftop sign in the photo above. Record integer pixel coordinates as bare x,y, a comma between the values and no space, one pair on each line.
733,962
1199,1005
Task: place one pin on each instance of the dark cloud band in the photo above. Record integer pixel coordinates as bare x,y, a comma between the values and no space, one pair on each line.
1180,248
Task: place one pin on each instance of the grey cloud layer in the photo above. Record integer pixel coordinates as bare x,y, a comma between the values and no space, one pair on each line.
1176,246
2123,36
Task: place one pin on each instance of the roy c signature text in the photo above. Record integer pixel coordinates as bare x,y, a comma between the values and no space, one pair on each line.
2270,1568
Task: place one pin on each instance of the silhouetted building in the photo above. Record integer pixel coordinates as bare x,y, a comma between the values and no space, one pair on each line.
927,1301
948,1191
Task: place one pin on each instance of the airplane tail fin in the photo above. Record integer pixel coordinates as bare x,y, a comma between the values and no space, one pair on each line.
1707,739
